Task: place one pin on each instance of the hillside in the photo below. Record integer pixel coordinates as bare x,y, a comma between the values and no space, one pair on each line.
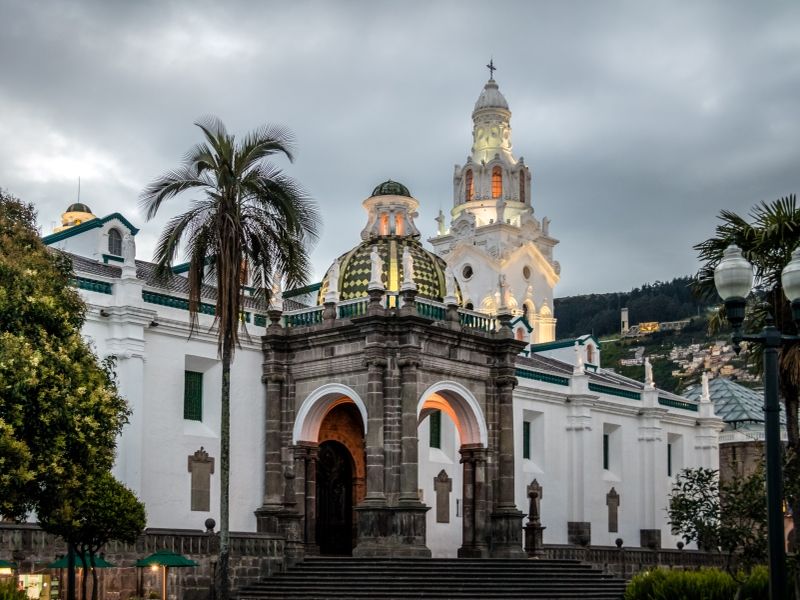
600,313
678,357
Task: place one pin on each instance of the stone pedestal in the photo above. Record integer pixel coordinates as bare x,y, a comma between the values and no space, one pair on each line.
650,538
579,533
286,524
534,539
507,533
391,531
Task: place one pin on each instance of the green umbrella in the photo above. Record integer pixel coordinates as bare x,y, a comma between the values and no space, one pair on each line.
99,562
165,559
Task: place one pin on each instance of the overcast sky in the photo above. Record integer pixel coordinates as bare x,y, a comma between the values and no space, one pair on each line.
640,120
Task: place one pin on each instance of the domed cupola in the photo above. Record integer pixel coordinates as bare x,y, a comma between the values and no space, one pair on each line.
390,229
491,98
75,214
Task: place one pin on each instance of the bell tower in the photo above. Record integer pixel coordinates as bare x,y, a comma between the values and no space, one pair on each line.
500,254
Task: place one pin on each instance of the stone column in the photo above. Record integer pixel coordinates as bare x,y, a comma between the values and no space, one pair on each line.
273,480
306,460
474,543
374,442
506,519
409,466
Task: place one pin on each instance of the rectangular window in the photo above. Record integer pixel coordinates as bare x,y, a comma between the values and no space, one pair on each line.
193,396
605,451
526,439
669,460
436,429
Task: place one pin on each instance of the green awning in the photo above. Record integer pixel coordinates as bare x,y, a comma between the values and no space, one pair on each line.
7,564
99,562
166,558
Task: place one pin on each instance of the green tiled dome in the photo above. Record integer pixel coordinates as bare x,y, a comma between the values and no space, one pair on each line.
391,188
355,269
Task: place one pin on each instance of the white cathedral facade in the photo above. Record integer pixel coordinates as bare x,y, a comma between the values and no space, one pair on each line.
444,409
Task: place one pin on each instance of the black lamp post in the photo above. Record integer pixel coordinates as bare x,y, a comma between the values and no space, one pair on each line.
733,279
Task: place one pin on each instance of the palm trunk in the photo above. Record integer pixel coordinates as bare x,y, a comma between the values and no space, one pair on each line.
224,464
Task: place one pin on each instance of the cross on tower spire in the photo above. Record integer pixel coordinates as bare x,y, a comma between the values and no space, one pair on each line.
491,68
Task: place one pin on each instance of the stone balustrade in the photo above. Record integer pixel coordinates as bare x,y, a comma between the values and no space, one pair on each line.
253,557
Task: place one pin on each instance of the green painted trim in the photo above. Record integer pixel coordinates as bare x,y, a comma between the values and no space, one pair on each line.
91,285
524,321
429,311
539,376
591,366
678,404
193,395
304,319
612,391
111,257
175,302
435,437
314,287
87,226
563,344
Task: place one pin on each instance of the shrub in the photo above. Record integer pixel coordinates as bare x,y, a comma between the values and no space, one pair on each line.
664,584
756,587
9,591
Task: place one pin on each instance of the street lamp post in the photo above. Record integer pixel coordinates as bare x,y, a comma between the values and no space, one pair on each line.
733,279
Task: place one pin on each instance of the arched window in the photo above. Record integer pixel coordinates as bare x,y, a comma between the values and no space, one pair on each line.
468,187
520,334
589,353
497,182
522,186
114,242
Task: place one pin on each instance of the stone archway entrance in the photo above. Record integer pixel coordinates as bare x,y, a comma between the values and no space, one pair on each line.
460,405
334,499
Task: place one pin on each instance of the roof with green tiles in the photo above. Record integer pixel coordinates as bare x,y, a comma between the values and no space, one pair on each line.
733,402
355,268
391,188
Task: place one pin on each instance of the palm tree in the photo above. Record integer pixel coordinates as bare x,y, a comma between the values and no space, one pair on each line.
767,242
246,218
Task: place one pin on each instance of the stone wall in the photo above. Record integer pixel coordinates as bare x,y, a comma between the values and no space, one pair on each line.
253,557
627,562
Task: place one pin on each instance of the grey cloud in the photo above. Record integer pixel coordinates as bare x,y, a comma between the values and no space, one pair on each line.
640,120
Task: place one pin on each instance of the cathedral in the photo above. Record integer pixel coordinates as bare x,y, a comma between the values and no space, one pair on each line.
415,402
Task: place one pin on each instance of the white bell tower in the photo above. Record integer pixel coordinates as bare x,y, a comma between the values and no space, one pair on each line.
501,255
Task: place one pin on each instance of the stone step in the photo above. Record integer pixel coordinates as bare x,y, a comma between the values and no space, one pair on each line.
406,578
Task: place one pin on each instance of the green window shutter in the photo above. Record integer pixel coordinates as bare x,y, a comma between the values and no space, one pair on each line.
669,460
436,429
526,439
605,451
193,396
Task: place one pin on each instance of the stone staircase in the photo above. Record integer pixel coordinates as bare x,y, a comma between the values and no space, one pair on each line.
477,579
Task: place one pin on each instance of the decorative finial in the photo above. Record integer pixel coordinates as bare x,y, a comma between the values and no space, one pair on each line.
491,68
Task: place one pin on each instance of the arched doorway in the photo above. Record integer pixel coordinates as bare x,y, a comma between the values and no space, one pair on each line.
450,402
334,499
330,471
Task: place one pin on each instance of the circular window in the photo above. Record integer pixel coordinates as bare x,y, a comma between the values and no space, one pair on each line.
526,272
466,272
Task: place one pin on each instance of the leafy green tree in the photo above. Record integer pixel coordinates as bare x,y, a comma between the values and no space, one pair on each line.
767,240
60,413
247,220
89,516
730,518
